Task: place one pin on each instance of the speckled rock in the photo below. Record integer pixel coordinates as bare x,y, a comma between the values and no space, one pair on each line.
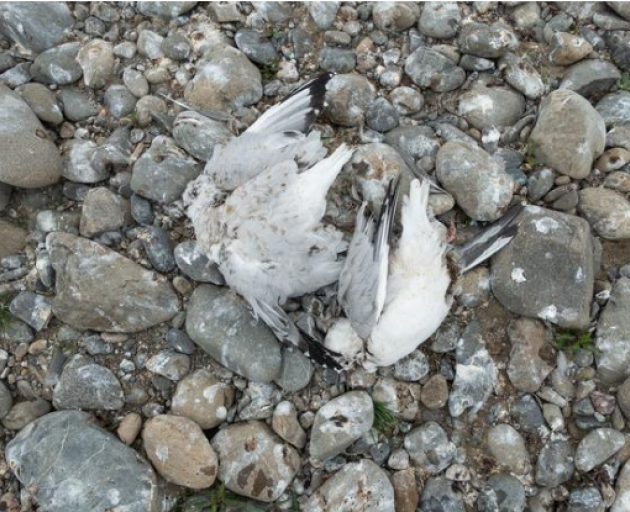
357,486
485,107
590,76
203,399
13,238
526,369
165,10
478,182
395,16
339,423
103,211
597,447
429,69
615,108
488,41
29,157
547,270
555,464
96,288
348,98
430,448
254,461
48,452
225,80
323,13
522,75
97,61
88,386
613,335
439,495
439,19
198,135
58,65
607,211
507,446
569,134
179,451
220,322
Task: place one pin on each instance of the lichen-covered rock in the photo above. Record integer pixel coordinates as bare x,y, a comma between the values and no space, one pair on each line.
546,271
430,69
613,335
101,290
254,461
348,98
97,61
485,107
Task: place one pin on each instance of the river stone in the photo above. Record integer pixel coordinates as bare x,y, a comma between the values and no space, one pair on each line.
88,386
526,369
590,76
395,16
202,398
522,75
430,448
225,80
507,446
198,135
439,495
255,462
29,158
622,500
487,41
357,486
101,290
339,423
597,447
42,101
164,10
555,463
477,181
485,107
547,270
13,239
429,69
23,413
179,451
103,211
439,19
97,61
607,211
195,264
35,26
348,98
70,463
58,65
6,401
296,371
615,108
502,493
323,13
613,335
220,322
569,134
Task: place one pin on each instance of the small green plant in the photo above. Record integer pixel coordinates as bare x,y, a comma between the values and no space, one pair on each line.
5,314
530,156
269,70
218,499
384,419
571,341
623,84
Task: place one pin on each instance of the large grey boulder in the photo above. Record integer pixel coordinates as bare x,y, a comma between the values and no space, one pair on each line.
546,271
569,134
29,158
220,322
70,463
35,26
101,290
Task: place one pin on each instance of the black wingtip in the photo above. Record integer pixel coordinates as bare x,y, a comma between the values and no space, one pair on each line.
322,355
317,93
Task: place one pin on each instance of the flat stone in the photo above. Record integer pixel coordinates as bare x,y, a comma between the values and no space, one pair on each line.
488,41
220,322
590,76
522,75
285,423
101,290
29,158
33,309
339,423
51,457
103,211
485,107
440,20
180,452
88,386
23,413
169,364
502,493
615,108
507,446
566,49
323,13
547,270
597,447
58,65
254,461
555,464
198,135
569,134
296,371
196,265
526,369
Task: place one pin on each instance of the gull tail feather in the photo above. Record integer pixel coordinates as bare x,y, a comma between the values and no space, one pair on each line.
290,336
491,240
298,111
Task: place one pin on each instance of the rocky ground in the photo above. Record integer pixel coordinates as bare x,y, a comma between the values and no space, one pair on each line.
132,380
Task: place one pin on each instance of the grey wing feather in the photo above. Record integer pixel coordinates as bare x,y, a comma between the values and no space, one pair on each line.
363,280
491,240
416,171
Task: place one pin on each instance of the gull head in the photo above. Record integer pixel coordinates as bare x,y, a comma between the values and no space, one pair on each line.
202,194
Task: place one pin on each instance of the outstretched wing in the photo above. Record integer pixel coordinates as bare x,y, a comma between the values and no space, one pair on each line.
363,280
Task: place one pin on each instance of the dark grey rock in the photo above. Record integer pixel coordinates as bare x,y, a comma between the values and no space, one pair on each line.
165,10
16,331
101,290
547,271
159,248
141,210
198,135
619,45
337,60
488,41
296,371
42,102
77,105
555,463
613,335
591,76
585,499
162,173
597,447
256,46
440,19
58,65
195,264
88,386
220,322
50,456
5,400
539,183
36,26
382,116
179,340
615,108
176,47
348,98
429,69
32,308
528,415
120,101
